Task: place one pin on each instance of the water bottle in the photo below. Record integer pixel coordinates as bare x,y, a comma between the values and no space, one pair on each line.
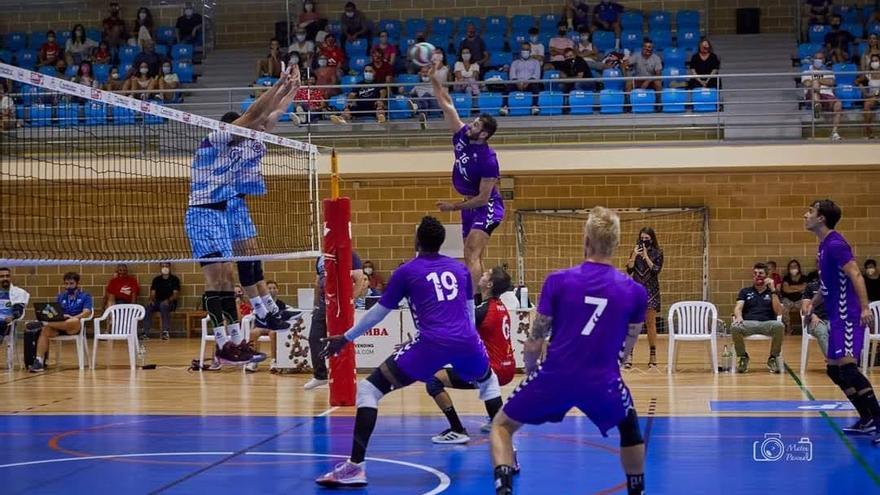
141,354
726,360
524,297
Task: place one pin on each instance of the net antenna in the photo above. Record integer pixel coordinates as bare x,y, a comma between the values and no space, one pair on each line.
97,177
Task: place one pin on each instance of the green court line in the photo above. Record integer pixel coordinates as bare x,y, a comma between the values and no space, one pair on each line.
843,438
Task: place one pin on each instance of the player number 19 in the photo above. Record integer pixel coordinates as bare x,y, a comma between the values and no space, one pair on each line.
445,285
599,303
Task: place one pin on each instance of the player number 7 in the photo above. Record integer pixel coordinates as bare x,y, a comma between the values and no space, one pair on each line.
600,304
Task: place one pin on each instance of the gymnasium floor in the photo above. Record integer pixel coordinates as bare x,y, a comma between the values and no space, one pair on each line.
172,431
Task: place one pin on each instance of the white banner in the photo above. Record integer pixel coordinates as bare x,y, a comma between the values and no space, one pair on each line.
374,347
294,353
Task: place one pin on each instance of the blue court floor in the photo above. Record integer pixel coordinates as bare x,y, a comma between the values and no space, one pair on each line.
236,455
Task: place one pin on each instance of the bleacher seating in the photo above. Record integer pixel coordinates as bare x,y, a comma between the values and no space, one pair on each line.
442,26
850,96
611,101
463,104
552,74
818,32
15,41
617,84
604,41
36,40
490,102
840,74
580,102
414,26
673,100
704,100
550,102
496,24
26,58
522,23
632,20
519,103
399,108
674,57
631,40
659,20
662,39
165,35
672,71
688,39
642,100
687,20
465,20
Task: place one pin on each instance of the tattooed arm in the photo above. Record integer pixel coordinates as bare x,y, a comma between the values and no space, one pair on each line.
535,344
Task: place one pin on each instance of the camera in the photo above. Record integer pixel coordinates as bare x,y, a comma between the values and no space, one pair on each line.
768,450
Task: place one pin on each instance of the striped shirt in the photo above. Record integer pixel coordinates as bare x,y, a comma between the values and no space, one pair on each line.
213,170
249,173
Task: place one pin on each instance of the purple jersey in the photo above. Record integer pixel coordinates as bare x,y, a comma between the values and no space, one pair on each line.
592,306
841,300
473,162
438,288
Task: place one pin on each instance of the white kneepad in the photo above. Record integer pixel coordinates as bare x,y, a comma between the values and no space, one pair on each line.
368,395
489,388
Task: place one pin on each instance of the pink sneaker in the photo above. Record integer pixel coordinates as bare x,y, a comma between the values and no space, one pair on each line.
345,474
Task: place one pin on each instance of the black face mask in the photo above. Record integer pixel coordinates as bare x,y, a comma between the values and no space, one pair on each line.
647,244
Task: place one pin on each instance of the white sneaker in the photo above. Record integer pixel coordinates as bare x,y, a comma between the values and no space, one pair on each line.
251,367
345,474
487,427
503,111
835,136
536,110
315,383
337,119
451,437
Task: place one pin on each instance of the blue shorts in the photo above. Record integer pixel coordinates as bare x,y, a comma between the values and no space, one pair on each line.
486,218
545,397
207,231
238,217
420,360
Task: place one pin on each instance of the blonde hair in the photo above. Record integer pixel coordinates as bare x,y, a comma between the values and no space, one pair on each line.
602,229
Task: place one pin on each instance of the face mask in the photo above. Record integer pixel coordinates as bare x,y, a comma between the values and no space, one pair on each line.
534,39
562,32
835,25
818,63
85,69
368,76
368,271
166,70
165,270
322,62
300,37
436,58
142,16
294,60
115,75
188,12
309,7
466,57
875,65
71,290
793,272
426,78
50,40
871,271
525,54
144,70
349,14
79,33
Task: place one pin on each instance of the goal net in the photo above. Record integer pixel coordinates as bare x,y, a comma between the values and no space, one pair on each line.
97,177
549,240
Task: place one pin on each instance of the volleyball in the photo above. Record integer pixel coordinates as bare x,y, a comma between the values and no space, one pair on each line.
420,53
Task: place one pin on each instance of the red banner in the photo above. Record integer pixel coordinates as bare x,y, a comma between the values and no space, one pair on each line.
338,293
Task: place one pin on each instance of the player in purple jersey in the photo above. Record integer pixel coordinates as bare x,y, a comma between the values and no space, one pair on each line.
593,315
848,314
475,176
440,297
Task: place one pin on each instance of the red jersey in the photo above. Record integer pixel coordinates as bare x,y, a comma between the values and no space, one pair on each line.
124,289
493,324
306,94
335,55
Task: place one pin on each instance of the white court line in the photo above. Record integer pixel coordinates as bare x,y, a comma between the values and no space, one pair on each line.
327,412
98,457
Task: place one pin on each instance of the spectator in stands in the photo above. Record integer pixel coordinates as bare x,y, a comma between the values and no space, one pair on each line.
757,307
189,25
423,101
815,12
303,47
13,301
606,16
310,20
837,42
76,303
168,81
872,49
7,111
773,272
114,32
388,50
270,65
872,280
538,49
816,317
332,52
575,67
355,24
585,48
85,75
141,84
50,53
142,28
308,99
870,82
819,83
475,46
793,285
114,83
441,69
525,70
467,74
577,15
103,55
122,288
375,282
646,67
78,47
704,63
384,72
149,57
558,45
164,291
364,100
326,75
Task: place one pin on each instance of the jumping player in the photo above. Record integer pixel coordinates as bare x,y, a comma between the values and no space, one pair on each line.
493,325
475,176
848,313
594,314
439,291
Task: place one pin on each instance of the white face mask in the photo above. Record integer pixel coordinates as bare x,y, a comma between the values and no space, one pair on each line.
793,272
524,54
437,58
165,270
166,70
349,14
309,7
368,271
144,70
818,63
534,39
322,62
426,78
188,12
300,37
875,65
466,57
871,271
142,16
369,76
294,60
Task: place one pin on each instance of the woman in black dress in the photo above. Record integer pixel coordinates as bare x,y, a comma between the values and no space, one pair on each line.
793,285
644,267
705,65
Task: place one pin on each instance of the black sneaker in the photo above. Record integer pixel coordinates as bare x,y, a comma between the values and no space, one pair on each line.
861,428
143,336
742,364
272,322
231,354
165,335
773,365
287,314
253,355
37,367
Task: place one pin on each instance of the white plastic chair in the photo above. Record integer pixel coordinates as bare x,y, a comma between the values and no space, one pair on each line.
82,346
10,343
123,326
805,343
872,338
206,337
693,321
247,325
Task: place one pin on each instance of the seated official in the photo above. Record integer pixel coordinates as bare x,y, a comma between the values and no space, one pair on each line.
756,312
77,304
13,302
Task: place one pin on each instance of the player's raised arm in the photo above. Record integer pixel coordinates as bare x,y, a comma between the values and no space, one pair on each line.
444,101
255,116
282,99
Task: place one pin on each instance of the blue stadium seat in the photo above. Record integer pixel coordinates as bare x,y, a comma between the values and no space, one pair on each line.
153,119
334,27
674,57
166,35
181,51
358,63
522,23
122,116
266,81
48,70
519,103
496,24
632,20
547,23
356,48
442,26
643,100
184,71
848,13
94,34
95,113
451,59
71,71
162,50
552,74
662,39
393,26
29,94
127,53
469,19
615,85
854,28
490,102
125,70
868,11
610,101
844,79
550,102
604,41
440,41
818,32
68,114
407,81
544,38
15,41
26,59
495,42
518,39
40,115
348,82
687,20
631,40
5,56
807,50
687,40
705,100
36,40
62,36
415,25
496,75
873,28
673,71
407,44
463,104
848,95
674,100
659,20
858,49
398,108
580,102
338,102
500,59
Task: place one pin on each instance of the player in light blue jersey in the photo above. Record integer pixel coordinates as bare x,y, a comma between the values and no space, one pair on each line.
213,186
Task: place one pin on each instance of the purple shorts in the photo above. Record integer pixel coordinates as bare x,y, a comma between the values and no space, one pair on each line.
846,338
486,218
544,397
420,360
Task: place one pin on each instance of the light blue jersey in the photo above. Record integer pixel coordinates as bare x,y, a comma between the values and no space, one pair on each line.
214,167
249,173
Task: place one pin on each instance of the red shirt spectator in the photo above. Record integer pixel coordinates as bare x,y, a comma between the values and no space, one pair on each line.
389,51
309,96
50,52
326,76
333,52
384,70
121,289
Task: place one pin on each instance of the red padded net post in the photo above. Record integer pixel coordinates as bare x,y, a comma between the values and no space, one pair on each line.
340,301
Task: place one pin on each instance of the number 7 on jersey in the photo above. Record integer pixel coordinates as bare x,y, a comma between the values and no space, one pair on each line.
600,304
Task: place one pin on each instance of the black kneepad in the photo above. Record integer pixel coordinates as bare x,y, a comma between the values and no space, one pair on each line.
213,303
246,273
434,387
833,372
630,431
230,310
378,379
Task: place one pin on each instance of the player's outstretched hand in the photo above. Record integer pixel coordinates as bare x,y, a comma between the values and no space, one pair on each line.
445,206
332,345
867,318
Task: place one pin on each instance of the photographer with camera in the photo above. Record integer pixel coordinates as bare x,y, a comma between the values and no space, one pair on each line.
644,267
